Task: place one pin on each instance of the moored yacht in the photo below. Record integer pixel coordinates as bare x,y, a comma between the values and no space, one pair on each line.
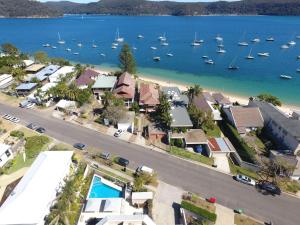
47,45
140,36
209,61
60,41
270,39
243,43
263,54
284,47
291,43
255,40
170,54
156,58
286,77
153,48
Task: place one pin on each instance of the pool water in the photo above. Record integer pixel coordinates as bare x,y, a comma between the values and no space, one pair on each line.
101,190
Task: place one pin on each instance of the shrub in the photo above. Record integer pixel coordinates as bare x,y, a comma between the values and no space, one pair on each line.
199,211
17,133
138,184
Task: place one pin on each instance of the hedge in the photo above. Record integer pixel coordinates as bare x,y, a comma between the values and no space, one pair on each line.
199,211
245,151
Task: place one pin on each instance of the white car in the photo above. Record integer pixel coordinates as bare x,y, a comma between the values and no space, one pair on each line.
119,133
244,179
15,120
7,116
30,105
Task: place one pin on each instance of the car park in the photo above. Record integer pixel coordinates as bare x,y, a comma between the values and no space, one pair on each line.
79,146
118,133
244,179
105,155
123,162
144,169
269,187
41,130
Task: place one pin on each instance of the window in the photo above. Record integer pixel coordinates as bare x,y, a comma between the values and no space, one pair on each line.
7,153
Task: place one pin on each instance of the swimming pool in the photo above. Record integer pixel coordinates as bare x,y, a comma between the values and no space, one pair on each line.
101,190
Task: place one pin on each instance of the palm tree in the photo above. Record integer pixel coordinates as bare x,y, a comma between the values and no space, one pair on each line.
193,91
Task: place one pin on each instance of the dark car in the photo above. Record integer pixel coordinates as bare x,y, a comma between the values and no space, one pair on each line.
123,162
41,130
270,187
32,126
79,146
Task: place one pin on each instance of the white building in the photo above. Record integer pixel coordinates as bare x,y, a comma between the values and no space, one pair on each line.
5,154
30,201
62,72
6,80
42,97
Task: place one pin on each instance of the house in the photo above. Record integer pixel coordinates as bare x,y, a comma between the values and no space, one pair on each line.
178,112
244,119
66,106
102,84
207,106
221,100
25,89
43,74
219,146
140,198
31,199
40,96
28,62
6,80
87,78
127,122
5,154
34,68
194,139
60,73
125,88
155,133
149,97
285,131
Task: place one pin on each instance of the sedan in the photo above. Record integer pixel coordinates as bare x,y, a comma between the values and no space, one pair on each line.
119,133
269,187
41,130
79,146
244,179
15,120
7,116
32,126
123,162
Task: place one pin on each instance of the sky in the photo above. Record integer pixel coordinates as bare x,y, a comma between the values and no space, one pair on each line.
86,1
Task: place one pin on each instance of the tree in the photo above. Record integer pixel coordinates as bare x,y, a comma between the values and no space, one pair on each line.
41,57
127,61
193,91
162,112
114,113
10,49
18,74
270,98
196,115
135,107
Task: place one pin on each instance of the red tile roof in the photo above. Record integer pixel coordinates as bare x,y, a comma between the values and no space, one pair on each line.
149,95
86,77
125,87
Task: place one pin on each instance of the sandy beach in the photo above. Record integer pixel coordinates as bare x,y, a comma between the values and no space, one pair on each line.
287,109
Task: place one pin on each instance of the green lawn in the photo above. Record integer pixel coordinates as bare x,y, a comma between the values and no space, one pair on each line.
190,155
216,132
18,163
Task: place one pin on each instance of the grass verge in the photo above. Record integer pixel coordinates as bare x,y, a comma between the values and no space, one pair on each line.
244,220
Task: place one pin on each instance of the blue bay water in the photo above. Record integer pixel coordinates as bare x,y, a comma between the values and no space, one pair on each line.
253,77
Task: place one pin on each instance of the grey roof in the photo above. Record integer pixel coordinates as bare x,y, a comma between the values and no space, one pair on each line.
174,94
44,73
26,86
104,81
180,117
289,125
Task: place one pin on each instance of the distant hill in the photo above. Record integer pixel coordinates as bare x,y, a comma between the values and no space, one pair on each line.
31,8
143,7
26,8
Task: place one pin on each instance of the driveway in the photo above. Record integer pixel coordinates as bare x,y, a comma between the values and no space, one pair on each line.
221,161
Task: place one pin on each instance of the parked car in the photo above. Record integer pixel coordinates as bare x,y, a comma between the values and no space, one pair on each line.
79,146
7,116
41,130
119,133
244,179
15,120
144,169
269,187
30,105
105,155
32,126
123,162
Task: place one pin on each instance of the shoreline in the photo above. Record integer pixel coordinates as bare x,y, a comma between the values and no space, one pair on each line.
243,100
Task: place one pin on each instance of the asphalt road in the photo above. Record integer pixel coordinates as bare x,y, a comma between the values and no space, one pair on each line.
282,210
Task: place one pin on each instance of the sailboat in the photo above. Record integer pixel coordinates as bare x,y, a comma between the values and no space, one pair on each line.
249,56
221,51
94,45
195,42
263,54
156,58
291,43
255,40
47,45
61,42
68,49
170,54
140,36
162,38
153,48
219,38
209,61
286,77
102,54
284,47
232,65
270,39
243,43
118,38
